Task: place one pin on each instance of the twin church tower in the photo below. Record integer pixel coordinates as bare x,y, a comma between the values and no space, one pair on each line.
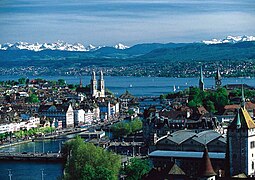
97,88
217,80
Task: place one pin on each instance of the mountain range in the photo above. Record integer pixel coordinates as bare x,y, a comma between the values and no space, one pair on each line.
231,48
63,46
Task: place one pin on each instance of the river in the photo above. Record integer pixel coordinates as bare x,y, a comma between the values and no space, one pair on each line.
22,170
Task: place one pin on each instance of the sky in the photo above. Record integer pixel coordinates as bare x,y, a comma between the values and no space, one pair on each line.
108,22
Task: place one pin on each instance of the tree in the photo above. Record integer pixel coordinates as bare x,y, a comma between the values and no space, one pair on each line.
196,95
61,82
136,125
33,98
125,128
22,80
210,106
137,168
86,161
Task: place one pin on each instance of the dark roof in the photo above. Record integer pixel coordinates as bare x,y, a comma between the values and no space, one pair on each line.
59,107
171,171
239,86
206,169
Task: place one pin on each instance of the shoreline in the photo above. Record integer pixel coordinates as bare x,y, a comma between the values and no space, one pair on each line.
15,143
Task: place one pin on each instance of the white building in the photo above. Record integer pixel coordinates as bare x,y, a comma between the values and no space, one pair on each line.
62,113
241,146
79,117
97,88
89,117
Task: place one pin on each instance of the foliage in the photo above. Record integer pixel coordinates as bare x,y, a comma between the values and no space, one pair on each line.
125,128
22,80
172,95
137,168
61,82
86,161
213,101
33,98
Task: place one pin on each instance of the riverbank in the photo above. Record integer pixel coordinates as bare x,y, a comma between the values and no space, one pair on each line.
5,145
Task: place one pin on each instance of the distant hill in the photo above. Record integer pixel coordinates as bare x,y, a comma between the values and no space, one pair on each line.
203,52
102,52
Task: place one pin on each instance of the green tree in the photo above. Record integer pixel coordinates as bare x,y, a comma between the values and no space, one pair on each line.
61,82
33,98
137,168
136,125
22,80
210,106
196,95
86,161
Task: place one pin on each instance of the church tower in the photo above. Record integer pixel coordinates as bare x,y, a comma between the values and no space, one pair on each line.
201,80
218,79
93,85
101,87
241,143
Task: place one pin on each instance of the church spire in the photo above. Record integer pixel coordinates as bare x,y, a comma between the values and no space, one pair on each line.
238,120
201,80
80,82
243,99
101,75
201,74
93,84
93,76
218,79
101,85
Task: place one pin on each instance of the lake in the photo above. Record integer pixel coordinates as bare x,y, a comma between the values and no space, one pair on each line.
142,86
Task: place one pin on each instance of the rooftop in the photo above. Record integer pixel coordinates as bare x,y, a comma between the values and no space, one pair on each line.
185,154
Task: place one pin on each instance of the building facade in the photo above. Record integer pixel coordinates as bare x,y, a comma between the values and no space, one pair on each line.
97,88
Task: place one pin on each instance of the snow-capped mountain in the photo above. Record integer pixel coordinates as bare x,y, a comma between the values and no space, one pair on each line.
120,46
59,45
230,39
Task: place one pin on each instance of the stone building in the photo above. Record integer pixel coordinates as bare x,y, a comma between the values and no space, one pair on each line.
97,88
241,143
59,112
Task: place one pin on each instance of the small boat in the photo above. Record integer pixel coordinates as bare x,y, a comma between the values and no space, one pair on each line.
174,88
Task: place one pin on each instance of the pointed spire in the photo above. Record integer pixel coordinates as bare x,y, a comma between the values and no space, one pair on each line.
101,75
201,80
218,76
238,120
93,76
243,99
80,82
206,169
201,75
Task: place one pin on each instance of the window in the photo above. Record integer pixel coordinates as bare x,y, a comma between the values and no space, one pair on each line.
252,144
252,165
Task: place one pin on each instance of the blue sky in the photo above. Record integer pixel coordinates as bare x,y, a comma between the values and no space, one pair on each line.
107,22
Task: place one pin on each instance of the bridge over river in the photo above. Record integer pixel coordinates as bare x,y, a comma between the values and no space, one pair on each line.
31,156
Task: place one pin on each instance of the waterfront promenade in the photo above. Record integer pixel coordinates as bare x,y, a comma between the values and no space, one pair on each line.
31,156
